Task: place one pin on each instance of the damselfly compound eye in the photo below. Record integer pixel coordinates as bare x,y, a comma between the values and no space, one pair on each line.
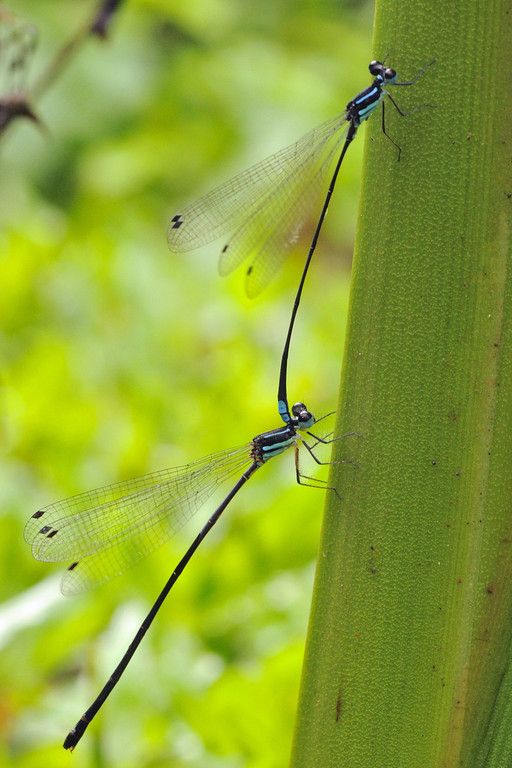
301,413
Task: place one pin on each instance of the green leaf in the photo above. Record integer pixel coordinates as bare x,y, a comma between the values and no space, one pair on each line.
407,660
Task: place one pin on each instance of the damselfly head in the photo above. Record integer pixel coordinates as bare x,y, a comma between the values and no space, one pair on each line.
375,67
303,418
389,75
386,74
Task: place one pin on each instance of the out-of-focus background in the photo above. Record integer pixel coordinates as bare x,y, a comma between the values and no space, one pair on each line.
118,358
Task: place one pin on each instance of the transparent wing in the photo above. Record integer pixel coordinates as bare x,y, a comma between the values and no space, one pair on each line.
265,238
251,193
105,531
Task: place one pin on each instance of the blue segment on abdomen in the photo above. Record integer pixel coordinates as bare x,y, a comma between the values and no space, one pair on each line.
283,411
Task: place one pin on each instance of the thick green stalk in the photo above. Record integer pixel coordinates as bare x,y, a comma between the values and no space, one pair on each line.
408,653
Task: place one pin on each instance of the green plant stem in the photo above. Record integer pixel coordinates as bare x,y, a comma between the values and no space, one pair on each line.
409,642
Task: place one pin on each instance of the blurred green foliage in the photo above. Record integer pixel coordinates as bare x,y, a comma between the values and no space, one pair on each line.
118,359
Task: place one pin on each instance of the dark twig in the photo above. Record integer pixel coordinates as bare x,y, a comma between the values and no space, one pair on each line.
17,44
97,26
103,19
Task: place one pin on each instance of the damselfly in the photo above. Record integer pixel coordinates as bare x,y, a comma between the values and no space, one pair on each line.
264,207
104,531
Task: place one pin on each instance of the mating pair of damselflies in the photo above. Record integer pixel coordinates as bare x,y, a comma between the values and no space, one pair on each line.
104,531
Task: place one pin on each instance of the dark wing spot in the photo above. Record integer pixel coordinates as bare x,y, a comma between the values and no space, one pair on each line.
72,566
44,530
177,221
39,513
52,534
225,248
249,271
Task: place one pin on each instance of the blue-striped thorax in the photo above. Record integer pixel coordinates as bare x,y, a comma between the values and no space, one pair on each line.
366,101
269,444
